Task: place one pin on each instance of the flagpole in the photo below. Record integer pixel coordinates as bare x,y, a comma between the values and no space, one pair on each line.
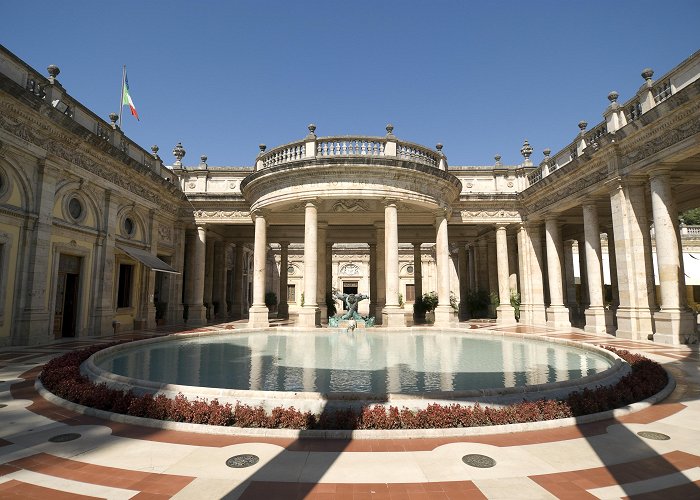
121,96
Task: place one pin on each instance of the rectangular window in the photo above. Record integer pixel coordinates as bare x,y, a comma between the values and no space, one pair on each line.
291,294
126,272
410,293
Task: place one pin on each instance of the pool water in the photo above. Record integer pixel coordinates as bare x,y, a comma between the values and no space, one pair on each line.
366,362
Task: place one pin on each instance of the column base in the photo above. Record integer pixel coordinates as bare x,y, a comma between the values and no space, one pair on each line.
393,316
675,326
505,315
595,320
196,314
283,310
33,328
634,324
324,313
309,317
533,315
444,316
378,314
558,317
257,317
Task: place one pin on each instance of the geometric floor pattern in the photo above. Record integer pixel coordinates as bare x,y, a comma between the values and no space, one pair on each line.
607,459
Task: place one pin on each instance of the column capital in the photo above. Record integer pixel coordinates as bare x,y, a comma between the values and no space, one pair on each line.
659,170
501,225
388,202
258,212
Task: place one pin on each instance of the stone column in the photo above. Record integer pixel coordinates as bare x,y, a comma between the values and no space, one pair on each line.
595,313
219,280
310,314
513,263
197,314
373,280
392,315
174,314
418,280
238,293
471,264
570,278
557,313
492,260
631,229
463,280
504,311
103,314
443,312
674,325
482,268
283,307
257,314
209,278
34,323
612,259
380,272
321,278
532,308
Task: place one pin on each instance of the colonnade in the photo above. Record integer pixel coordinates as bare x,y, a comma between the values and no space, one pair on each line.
531,258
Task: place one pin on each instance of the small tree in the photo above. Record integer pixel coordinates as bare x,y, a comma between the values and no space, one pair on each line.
270,300
430,301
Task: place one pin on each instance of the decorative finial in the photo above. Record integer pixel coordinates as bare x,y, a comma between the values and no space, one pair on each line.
526,150
647,73
390,130
155,149
179,153
262,147
547,152
113,117
203,159
311,135
438,146
582,125
612,96
498,159
53,71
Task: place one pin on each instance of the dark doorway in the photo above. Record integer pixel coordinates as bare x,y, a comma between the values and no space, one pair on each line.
67,293
349,287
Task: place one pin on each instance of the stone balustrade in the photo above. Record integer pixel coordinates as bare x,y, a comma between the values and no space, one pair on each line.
649,95
313,147
52,93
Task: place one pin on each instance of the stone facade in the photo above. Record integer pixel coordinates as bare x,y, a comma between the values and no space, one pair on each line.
90,222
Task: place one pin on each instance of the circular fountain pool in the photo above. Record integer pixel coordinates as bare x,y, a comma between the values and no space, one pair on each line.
310,370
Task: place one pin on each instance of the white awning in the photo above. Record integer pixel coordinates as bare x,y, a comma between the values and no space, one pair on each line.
147,259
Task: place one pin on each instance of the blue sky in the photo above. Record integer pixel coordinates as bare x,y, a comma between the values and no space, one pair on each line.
224,76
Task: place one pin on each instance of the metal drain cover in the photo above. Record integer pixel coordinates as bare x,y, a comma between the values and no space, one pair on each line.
653,435
242,461
476,460
62,438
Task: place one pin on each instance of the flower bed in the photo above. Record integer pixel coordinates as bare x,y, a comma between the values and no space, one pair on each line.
62,377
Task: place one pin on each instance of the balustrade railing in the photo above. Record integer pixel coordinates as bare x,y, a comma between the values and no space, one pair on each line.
619,115
285,154
348,146
661,91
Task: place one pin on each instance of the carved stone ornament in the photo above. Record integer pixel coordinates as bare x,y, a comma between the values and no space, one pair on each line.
671,137
221,214
350,270
350,206
490,214
68,148
165,233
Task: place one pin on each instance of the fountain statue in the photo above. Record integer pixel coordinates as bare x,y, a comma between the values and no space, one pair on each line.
351,319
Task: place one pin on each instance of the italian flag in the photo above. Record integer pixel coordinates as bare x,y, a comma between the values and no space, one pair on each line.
126,98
